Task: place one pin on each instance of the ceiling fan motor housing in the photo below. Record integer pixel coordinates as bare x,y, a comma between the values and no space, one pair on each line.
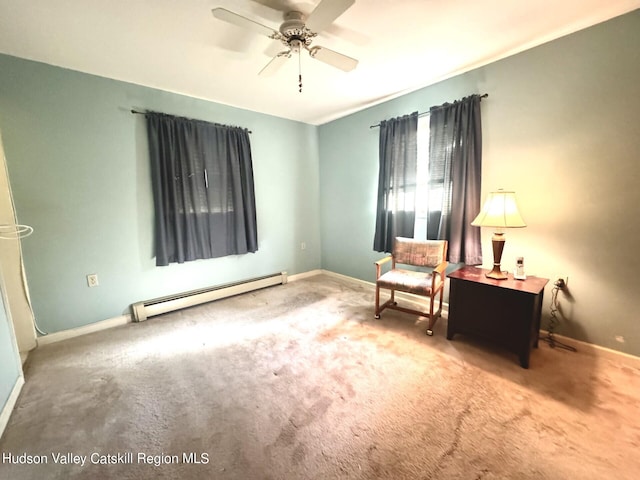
294,31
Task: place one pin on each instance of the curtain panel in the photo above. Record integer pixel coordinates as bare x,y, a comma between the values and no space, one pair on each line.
455,167
204,197
398,157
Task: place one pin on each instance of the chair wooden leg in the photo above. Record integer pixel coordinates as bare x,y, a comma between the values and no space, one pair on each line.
377,314
432,320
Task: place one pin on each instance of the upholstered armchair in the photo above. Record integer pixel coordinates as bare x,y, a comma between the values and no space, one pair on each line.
427,280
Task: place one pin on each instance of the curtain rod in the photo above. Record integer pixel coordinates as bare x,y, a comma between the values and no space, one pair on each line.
485,95
136,112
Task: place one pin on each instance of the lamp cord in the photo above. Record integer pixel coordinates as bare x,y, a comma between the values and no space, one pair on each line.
553,323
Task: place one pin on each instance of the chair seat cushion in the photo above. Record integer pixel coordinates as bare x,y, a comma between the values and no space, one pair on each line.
408,281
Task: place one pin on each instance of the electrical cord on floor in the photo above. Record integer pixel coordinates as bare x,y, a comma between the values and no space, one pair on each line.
553,321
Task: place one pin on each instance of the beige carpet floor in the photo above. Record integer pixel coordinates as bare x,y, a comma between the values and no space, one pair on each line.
300,382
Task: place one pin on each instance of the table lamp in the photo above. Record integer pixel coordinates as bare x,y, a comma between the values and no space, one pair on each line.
500,211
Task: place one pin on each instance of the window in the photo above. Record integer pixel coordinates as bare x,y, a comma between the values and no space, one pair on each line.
395,214
429,179
429,193
455,165
422,181
203,189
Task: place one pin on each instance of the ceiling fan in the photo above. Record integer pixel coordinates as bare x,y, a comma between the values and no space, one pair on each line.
297,33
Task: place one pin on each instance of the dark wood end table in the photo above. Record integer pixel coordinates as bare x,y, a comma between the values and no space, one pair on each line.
505,312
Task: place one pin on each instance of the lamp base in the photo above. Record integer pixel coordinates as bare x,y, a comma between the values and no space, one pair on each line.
497,242
497,274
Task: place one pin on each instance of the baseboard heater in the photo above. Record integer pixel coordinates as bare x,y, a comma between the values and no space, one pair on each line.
157,306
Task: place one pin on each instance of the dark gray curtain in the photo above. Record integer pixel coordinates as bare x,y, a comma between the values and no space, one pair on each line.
203,190
455,167
398,153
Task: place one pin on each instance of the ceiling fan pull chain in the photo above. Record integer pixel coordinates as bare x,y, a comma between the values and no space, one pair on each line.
299,72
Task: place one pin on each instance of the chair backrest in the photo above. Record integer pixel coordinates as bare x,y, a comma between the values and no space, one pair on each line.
421,253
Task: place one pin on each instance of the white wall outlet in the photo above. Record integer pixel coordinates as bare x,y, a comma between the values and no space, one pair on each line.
92,280
303,245
619,338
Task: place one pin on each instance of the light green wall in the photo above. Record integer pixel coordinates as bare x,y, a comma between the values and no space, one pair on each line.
79,171
9,364
561,127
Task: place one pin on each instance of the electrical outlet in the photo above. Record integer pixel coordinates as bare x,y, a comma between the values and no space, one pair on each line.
303,246
92,280
562,282
619,338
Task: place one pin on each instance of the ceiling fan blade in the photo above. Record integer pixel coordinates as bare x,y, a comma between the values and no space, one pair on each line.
334,59
325,13
244,22
275,63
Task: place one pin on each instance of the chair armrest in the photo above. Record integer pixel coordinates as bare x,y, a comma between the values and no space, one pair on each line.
379,264
383,260
440,270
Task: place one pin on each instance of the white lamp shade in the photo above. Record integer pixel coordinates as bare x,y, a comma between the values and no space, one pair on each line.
500,210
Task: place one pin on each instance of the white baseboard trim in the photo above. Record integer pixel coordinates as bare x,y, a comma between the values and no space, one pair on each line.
5,414
84,330
347,278
23,357
300,276
597,350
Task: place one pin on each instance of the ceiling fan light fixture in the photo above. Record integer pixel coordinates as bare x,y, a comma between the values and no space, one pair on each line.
295,45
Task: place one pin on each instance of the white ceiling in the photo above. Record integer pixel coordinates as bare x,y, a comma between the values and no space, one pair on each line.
178,46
